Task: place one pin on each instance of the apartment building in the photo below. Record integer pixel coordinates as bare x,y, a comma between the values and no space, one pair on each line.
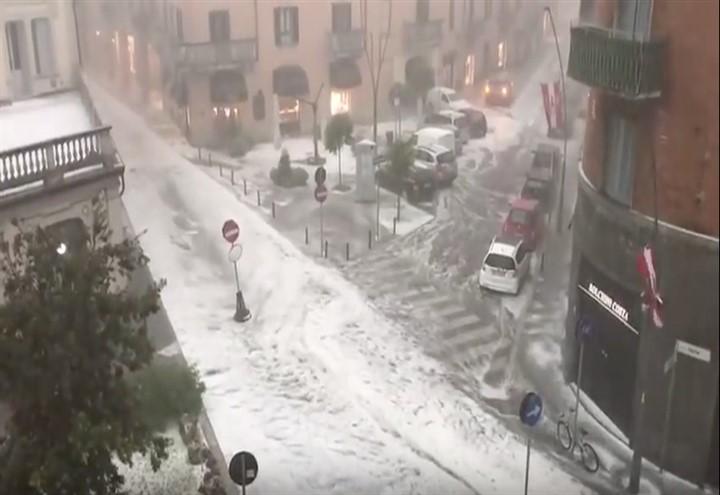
219,65
38,48
651,151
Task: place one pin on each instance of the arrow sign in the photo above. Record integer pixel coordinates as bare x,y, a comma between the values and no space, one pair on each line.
321,193
243,468
531,409
230,231
320,176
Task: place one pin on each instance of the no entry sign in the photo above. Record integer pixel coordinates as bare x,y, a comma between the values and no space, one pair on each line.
320,176
230,231
321,194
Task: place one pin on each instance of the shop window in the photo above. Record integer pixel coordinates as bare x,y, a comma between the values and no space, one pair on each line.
501,55
131,53
339,102
289,114
470,70
259,106
287,29
43,47
341,17
620,160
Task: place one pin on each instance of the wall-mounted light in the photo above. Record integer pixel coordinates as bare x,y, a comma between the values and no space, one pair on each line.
61,249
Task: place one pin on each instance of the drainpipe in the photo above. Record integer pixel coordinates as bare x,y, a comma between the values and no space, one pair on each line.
77,33
257,35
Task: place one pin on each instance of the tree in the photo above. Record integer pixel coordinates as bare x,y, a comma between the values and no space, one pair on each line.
317,159
375,55
69,331
402,157
338,131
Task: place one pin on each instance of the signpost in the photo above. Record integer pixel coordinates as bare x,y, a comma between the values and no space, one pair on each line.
243,469
231,232
583,331
530,413
320,176
321,194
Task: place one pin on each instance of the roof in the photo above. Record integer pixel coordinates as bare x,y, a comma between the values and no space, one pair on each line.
504,245
434,132
435,149
524,204
450,113
443,89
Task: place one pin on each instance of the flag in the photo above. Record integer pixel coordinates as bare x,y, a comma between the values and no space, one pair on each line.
651,297
559,116
547,105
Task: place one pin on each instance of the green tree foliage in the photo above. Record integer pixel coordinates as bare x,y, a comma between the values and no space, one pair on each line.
69,331
338,131
402,156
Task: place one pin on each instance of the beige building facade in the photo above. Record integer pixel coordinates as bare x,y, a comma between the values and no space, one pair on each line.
221,67
38,48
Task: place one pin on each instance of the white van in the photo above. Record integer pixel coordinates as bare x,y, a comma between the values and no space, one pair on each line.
453,120
430,136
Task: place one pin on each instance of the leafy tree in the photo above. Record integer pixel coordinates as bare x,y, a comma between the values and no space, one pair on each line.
69,331
401,157
338,131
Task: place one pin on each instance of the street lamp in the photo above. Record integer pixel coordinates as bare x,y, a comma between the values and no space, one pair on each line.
565,121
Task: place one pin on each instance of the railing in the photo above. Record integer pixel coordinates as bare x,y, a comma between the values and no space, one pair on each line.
46,159
422,35
215,55
348,44
611,60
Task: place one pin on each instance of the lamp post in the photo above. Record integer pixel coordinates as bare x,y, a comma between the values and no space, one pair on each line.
565,122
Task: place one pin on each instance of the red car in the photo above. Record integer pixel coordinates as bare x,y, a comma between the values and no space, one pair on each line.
525,220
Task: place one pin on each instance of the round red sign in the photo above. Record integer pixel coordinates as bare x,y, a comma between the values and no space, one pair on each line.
321,193
230,231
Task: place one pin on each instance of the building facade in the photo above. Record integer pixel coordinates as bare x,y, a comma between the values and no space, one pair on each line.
38,48
220,65
651,152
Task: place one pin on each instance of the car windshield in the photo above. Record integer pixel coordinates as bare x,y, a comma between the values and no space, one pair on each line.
500,261
519,216
446,157
453,96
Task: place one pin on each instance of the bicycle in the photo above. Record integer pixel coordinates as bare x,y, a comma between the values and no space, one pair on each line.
589,457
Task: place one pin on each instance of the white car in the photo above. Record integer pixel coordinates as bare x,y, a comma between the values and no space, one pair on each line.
452,120
441,160
506,265
438,135
441,98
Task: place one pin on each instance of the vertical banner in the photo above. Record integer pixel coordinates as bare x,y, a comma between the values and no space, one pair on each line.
546,103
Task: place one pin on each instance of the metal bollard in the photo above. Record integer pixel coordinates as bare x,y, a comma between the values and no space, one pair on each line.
347,251
307,236
326,249
394,226
232,176
370,239
258,197
245,187
273,209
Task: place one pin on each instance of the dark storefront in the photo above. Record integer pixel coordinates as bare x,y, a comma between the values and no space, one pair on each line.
610,353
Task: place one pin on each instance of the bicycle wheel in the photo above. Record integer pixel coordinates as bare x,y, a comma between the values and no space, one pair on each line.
590,459
563,435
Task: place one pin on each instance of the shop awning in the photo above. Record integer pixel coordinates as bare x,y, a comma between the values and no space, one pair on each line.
290,81
345,74
227,87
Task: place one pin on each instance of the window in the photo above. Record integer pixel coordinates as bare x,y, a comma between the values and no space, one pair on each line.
423,156
587,10
179,25
488,8
469,70
13,42
342,17
69,234
287,31
446,157
131,53
339,102
451,15
520,217
422,11
501,55
43,46
500,261
619,160
633,18
219,22
521,252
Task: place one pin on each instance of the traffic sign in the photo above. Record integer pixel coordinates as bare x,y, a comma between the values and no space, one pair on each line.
230,231
235,253
320,176
693,351
321,194
583,329
531,409
243,468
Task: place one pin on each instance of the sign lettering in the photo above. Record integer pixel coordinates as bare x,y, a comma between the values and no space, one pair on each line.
610,304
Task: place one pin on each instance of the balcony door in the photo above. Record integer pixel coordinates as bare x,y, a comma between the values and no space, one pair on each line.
341,17
17,56
219,23
633,18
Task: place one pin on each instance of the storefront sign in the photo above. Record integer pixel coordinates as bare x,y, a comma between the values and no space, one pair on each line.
616,308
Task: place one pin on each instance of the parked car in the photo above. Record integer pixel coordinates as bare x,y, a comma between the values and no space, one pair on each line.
546,156
437,135
477,122
539,185
450,119
441,98
416,186
506,265
441,160
525,220
499,90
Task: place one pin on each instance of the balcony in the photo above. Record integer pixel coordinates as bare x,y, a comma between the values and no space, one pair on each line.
420,36
346,45
49,161
218,55
609,60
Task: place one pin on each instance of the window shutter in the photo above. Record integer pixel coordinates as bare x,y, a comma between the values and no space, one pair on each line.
295,25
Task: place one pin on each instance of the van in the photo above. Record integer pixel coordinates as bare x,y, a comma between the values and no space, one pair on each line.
451,119
429,136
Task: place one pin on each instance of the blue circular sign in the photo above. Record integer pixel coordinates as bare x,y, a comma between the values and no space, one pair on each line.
531,409
583,329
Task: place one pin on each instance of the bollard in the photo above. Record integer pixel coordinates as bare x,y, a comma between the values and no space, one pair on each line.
370,239
245,187
232,176
307,236
326,249
258,197
394,226
273,209
347,251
